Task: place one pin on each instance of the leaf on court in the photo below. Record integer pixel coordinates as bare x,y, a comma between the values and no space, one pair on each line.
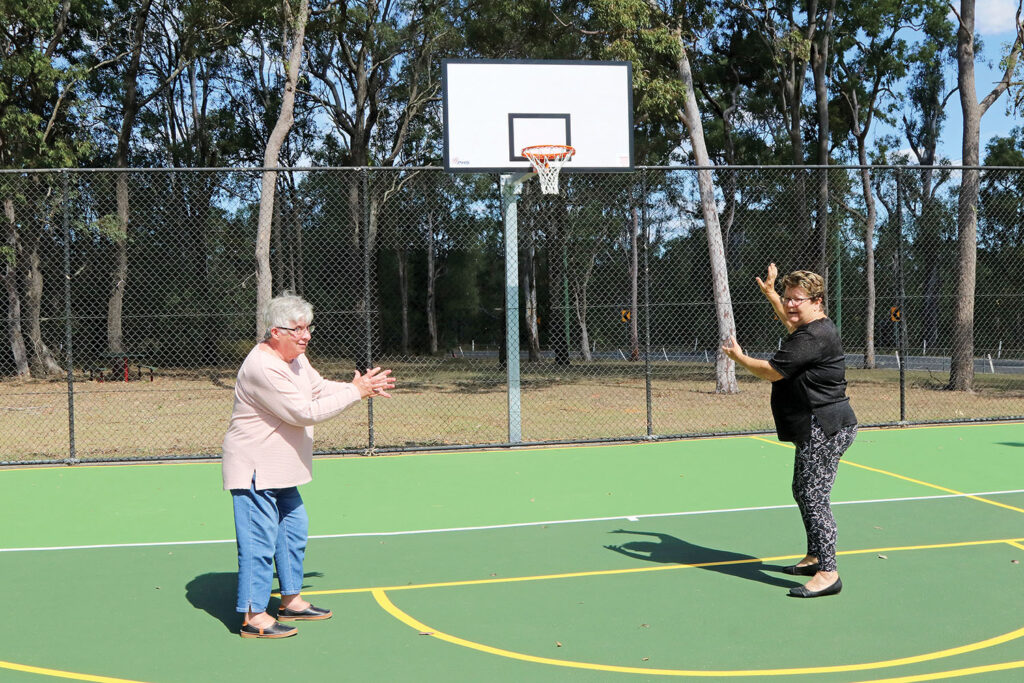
1014,561
883,557
645,625
558,644
644,659
426,633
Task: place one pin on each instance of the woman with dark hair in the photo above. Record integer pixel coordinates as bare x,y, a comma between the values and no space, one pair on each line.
811,410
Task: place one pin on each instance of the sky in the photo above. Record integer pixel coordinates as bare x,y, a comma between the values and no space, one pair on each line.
994,23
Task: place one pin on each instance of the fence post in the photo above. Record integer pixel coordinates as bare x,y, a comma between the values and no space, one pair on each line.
901,324
837,296
69,356
647,304
368,324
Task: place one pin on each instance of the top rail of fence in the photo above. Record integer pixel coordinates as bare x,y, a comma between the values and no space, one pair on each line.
317,169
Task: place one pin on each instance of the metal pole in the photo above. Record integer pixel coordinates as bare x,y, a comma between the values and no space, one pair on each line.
838,296
565,292
511,188
69,356
647,306
901,329
368,326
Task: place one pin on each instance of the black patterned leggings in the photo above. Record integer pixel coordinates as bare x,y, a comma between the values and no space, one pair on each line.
814,471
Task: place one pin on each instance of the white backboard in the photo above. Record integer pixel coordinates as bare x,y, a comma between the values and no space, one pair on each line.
495,108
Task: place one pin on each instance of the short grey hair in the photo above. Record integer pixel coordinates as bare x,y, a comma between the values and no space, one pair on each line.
285,309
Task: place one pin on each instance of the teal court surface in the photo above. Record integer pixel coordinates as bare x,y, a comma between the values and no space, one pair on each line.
625,563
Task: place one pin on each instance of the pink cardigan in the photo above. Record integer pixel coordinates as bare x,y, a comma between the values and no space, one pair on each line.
271,430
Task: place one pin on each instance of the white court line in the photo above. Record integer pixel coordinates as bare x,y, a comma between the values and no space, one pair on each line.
516,524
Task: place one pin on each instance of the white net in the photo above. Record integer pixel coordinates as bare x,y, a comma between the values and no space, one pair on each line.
547,161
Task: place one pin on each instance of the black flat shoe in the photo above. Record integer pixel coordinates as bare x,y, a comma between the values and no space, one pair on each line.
275,630
797,570
802,592
311,613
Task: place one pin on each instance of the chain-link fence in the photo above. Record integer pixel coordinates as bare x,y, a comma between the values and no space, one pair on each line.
130,300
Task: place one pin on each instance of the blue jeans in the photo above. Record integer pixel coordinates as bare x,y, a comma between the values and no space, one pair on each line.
270,526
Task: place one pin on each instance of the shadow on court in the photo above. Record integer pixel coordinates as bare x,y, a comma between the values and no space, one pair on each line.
671,550
215,593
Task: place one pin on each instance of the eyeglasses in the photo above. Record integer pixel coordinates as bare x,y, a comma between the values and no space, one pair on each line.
299,330
786,300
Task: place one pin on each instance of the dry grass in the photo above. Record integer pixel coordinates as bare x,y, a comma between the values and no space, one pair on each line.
452,401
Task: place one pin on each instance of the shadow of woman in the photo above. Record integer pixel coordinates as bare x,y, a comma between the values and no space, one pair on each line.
671,550
215,593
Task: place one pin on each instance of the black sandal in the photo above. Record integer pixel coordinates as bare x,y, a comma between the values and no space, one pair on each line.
311,613
275,630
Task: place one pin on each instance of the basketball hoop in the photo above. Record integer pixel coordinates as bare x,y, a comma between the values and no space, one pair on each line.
547,161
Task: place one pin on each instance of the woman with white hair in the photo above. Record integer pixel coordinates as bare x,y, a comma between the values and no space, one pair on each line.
268,453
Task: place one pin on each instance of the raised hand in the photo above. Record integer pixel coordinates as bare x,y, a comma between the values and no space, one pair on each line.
767,285
732,348
375,382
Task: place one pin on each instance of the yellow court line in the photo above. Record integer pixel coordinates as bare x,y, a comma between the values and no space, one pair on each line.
385,602
906,478
62,674
637,570
955,673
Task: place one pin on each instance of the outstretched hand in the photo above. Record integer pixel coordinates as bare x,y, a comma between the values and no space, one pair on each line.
767,285
732,348
375,382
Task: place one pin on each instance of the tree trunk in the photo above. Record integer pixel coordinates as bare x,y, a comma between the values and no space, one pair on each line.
402,257
17,340
869,258
277,221
264,284
119,275
961,372
42,361
431,287
580,300
725,369
961,368
558,282
819,66
528,277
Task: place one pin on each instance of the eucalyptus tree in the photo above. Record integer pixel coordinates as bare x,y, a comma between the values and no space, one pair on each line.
44,123
130,82
961,375
659,37
926,97
190,60
786,34
871,59
293,32
372,63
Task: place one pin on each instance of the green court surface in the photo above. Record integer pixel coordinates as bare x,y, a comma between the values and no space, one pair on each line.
600,563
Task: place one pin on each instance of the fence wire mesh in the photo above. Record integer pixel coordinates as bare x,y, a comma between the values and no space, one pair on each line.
130,300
